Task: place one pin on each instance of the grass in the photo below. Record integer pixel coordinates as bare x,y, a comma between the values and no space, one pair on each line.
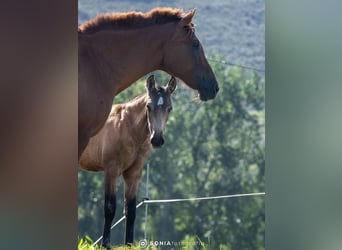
85,244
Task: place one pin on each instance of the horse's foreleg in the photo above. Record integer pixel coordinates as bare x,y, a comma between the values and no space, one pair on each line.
109,207
131,177
109,210
130,207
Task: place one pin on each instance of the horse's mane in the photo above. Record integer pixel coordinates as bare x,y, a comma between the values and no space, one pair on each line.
131,20
136,98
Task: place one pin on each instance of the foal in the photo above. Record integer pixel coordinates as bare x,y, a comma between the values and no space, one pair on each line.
123,145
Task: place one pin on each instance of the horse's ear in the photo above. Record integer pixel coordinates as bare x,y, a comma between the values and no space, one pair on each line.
150,83
187,18
172,85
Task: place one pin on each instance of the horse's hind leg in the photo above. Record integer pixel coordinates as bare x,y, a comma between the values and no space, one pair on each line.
109,207
131,177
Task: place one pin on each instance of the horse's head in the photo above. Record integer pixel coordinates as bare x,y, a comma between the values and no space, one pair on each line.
184,57
158,108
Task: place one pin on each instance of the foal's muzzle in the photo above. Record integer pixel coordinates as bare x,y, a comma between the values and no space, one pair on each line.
157,140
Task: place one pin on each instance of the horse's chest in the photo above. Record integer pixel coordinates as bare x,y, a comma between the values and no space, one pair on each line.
136,154
94,109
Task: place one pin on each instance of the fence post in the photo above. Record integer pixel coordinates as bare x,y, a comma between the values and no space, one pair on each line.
146,205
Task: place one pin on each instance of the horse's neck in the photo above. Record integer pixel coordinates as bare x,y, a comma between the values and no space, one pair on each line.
136,109
131,54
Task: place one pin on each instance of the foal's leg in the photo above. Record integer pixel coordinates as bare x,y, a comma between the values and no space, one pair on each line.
109,206
131,177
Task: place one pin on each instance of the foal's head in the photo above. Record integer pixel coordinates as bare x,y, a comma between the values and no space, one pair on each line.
184,57
158,108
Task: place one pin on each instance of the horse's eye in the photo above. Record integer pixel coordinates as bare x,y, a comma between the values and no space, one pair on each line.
169,109
195,44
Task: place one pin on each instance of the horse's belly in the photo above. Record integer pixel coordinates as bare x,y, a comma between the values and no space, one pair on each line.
91,168
88,162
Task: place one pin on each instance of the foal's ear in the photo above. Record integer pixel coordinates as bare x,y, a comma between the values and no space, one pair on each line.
150,83
172,85
187,18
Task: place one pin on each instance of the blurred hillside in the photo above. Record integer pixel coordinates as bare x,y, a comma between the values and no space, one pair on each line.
234,29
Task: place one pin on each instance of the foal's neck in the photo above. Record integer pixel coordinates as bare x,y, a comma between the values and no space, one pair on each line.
136,109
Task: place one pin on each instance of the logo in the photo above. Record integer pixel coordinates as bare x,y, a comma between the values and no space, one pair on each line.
143,243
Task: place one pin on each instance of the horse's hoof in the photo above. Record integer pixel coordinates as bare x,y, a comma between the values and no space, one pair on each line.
106,245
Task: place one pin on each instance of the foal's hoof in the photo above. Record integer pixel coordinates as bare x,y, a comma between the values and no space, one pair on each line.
106,245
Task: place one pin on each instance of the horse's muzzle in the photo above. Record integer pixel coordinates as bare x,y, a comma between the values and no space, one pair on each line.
208,91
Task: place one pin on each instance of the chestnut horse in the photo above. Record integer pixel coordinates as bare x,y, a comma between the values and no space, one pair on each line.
115,50
123,145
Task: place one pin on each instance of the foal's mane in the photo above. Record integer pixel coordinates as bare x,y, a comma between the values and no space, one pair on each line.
143,96
131,20
135,99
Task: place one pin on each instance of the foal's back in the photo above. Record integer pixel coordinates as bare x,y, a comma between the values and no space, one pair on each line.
123,138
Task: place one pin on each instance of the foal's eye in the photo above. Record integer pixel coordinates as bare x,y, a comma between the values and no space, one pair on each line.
195,44
149,108
186,28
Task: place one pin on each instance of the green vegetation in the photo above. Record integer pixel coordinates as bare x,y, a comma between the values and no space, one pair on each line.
212,148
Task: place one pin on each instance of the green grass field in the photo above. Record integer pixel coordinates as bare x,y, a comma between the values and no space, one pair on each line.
86,244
